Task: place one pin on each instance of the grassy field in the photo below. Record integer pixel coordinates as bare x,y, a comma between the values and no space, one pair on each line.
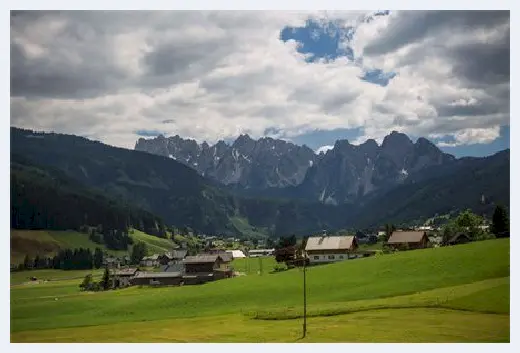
452,294
48,243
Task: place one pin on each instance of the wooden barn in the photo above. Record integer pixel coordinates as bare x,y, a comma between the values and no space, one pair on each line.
408,240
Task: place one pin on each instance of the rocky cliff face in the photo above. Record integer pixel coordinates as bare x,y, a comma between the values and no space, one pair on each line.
247,163
343,174
348,172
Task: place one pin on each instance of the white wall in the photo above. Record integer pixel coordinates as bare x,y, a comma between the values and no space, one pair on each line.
319,258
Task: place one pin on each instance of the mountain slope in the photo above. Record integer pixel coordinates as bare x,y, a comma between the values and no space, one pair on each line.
160,185
469,183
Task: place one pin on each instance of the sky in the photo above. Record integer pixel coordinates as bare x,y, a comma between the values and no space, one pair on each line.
307,77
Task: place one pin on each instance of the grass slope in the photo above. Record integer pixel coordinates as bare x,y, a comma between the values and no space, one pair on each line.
153,244
248,230
433,295
49,242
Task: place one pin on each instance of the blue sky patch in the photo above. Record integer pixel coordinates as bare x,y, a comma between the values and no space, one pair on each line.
148,133
378,77
319,138
320,41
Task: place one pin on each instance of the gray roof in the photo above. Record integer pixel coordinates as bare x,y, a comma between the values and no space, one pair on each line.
198,274
398,237
157,274
153,257
125,272
199,259
172,268
330,243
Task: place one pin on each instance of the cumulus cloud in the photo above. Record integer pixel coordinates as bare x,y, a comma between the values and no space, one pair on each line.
323,149
215,75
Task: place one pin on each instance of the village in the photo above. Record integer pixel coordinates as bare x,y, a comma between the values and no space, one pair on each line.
176,268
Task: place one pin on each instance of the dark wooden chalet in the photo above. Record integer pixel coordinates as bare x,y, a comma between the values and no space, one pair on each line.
460,238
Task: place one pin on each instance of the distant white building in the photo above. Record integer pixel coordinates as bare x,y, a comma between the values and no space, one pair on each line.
260,252
236,254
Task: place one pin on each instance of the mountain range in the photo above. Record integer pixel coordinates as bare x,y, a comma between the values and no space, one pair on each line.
267,186
346,173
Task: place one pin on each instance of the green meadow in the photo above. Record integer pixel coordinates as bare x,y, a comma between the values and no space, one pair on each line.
449,294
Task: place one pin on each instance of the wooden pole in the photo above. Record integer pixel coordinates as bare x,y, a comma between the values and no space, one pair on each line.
304,300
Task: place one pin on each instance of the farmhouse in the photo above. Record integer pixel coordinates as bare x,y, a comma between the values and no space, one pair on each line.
203,268
459,238
123,277
205,263
157,279
150,261
325,249
404,240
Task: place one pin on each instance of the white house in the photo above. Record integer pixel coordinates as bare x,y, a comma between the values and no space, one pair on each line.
323,249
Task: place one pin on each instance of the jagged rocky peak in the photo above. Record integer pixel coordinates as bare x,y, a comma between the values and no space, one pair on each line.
342,146
396,139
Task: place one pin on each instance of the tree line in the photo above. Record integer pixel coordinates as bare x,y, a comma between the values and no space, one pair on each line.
66,259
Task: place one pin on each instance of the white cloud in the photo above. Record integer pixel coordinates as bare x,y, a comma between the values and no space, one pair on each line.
323,149
215,75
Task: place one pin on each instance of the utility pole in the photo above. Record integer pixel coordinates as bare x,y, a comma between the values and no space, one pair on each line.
304,299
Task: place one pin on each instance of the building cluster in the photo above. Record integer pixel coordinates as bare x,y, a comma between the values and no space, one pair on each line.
175,269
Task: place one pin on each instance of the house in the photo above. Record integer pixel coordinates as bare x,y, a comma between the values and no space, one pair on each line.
157,279
204,263
323,249
459,238
202,268
150,261
236,254
123,277
405,240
